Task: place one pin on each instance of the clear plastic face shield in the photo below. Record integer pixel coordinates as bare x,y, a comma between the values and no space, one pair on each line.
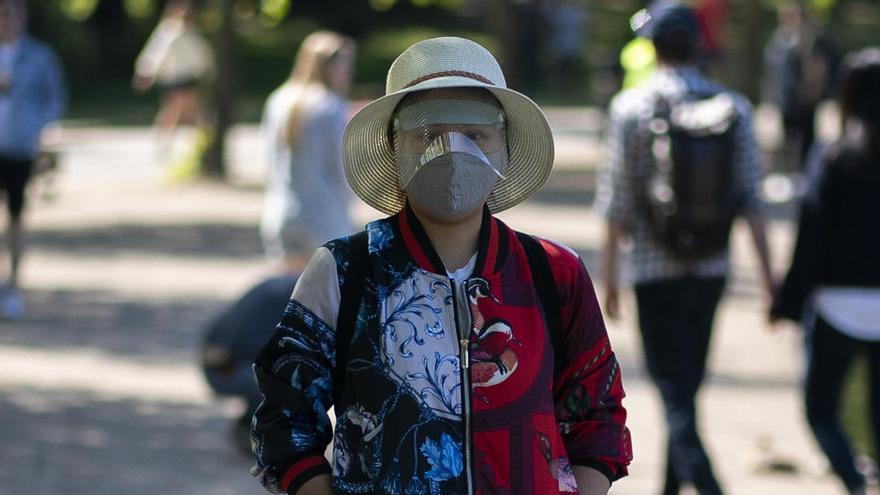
450,149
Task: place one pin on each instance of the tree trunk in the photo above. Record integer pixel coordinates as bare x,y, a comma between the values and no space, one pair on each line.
754,47
214,159
110,23
500,21
516,27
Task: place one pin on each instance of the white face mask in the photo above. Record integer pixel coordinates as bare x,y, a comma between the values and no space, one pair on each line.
450,153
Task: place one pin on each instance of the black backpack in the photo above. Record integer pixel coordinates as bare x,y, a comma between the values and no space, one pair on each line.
351,296
690,197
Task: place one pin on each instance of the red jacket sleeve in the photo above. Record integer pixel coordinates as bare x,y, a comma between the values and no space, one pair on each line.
588,391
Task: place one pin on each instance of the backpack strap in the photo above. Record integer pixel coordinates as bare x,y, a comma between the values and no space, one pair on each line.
545,286
349,304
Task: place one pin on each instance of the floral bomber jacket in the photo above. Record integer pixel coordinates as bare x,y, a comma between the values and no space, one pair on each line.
448,388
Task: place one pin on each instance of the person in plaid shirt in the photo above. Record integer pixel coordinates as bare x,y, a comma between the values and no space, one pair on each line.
676,297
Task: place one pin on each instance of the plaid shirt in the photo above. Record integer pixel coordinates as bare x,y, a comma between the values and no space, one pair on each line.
630,165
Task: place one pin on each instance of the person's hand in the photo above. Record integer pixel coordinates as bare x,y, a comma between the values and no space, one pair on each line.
590,481
771,288
612,301
774,323
50,137
319,485
777,325
141,83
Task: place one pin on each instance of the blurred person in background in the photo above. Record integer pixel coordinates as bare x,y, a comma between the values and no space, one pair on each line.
833,284
784,37
307,198
33,96
800,63
683,164
638,59
566,22
712,16
307,201
231,343
425,331
176,60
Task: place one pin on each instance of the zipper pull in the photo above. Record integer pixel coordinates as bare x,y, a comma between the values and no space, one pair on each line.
465,359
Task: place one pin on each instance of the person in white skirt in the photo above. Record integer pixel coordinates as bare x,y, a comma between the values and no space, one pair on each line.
176,60
307,197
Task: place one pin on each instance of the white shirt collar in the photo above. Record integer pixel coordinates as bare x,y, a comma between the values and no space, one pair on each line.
464,272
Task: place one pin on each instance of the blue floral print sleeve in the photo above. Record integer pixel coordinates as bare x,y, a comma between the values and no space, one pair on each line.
291,428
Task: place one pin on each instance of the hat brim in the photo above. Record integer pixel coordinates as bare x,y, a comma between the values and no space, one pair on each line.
369,159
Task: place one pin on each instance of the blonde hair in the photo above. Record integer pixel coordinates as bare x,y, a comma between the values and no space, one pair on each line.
311,73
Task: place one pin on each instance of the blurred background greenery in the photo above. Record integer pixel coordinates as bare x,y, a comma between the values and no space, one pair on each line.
98,41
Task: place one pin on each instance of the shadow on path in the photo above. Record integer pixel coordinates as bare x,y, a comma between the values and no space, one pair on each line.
575,188
197,240
143,330
83,444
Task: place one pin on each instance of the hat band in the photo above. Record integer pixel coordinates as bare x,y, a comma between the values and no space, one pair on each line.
447,73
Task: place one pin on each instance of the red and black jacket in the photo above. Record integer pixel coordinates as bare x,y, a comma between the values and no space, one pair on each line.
445,387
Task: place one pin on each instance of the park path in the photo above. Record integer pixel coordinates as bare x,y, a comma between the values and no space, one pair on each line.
99,388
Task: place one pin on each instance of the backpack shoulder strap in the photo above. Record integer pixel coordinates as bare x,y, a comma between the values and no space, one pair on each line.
349,304
545,286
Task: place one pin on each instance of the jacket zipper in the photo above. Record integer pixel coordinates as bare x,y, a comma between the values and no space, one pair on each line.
462,328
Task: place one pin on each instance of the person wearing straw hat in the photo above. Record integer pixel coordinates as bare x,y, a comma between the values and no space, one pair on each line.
460,356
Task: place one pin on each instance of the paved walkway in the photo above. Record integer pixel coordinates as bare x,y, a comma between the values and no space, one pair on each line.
99,393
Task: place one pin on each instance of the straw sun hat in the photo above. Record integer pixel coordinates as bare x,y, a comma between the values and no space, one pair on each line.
446,63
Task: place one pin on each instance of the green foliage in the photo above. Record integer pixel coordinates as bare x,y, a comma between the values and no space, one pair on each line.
270,53
272,12
822,5
98,50
78,10
141,9
388,43
380,48
382,5
385,5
